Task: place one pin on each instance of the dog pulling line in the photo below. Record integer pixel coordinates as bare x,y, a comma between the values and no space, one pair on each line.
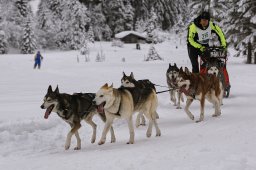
163,90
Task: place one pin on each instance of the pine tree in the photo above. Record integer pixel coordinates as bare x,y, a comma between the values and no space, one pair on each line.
151,26
128,15
152,54
90,34
76,24
22,6
3,43
28,43
241,23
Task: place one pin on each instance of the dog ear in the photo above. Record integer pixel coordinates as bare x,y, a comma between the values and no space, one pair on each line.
187,71
132,76
49,89
57,89
111,86
170,64
175,65
105,86
181,70
124,74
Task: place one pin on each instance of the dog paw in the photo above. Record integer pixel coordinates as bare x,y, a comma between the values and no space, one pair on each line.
158,134
148,135
178,107
192,117
93,140
77,148
214,115
113,140
143,124
198,121
101,142
67,147
130,142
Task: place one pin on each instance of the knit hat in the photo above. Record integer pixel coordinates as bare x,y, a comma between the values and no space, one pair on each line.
205,15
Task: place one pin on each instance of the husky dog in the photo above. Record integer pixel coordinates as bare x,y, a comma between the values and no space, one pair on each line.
200,87
213,67
73,109
129,81
122,103
171,76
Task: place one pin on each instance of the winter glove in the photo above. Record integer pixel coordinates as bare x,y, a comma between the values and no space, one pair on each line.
202,48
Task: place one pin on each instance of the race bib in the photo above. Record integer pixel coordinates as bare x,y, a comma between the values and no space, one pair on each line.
204,35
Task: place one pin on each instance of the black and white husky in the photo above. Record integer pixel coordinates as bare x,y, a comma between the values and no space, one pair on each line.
73,109
171,77
129,81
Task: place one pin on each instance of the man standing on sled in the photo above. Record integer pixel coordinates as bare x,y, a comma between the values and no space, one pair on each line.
199,34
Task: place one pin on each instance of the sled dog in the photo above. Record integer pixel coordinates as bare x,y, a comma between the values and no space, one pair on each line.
129,81
72,109
122,103
171,77
200,87
213,68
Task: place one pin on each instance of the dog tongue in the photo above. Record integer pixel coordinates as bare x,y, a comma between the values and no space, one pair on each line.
100,108
47,112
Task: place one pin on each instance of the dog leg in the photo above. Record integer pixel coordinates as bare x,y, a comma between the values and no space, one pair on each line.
70,134
173,97
158,132
78,146
150,125
107,126
179,98
188,103
202,102
217,107
113,137
143,121
138,120
131,130
94,127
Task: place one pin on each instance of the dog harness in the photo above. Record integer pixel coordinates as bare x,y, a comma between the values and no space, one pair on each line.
190,92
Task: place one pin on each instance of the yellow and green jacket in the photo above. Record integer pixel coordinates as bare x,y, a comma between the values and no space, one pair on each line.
198,37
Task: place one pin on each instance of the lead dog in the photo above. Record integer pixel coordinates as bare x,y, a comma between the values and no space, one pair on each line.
200,87
73,109
171,76
122,103
130,81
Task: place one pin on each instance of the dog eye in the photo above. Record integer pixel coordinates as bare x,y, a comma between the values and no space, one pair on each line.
49,100
101,95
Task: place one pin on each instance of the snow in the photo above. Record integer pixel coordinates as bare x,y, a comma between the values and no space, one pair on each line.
125,33
30,142
34,5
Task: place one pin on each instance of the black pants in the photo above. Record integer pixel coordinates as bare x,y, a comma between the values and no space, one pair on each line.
193,54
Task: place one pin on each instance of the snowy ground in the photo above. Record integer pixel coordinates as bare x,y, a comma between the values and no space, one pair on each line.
30,142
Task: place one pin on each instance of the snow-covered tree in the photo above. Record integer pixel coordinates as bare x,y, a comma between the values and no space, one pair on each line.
114,10
241,24
3,43
90,34
151,26
152,54
128,15
75,24
28,42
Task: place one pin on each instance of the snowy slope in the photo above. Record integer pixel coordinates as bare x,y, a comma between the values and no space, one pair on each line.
30,142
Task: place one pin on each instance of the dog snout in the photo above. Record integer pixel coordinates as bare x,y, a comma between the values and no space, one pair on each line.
42,106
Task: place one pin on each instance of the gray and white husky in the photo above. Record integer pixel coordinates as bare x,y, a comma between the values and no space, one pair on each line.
73,109
171,77
122,103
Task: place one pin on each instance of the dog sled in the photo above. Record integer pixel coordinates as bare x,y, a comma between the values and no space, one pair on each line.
216,56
